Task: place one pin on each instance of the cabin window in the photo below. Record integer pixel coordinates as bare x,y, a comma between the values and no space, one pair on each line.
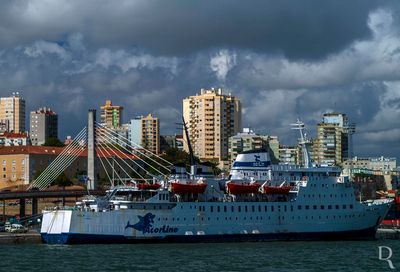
245,208
322,207
252,208
272,208
351,206
314,207
265,208
299,207
211,209
218,209
259,208
307,207
291,208
344,206
232,208
285,208
239,208
224,208
329,207
337,207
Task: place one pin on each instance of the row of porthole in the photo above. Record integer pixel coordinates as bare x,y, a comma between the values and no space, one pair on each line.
269,217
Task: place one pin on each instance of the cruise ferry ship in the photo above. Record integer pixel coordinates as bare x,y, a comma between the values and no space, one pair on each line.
259,202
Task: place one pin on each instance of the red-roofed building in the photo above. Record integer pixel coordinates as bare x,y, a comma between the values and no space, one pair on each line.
14,139
21,164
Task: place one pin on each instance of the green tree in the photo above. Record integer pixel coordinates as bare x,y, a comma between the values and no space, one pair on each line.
53,142
62,180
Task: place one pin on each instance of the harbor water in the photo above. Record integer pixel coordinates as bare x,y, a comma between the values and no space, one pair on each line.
266,256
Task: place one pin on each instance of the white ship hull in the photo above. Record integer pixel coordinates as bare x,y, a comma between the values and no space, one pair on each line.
190,222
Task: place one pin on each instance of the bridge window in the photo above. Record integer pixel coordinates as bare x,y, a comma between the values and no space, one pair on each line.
224,208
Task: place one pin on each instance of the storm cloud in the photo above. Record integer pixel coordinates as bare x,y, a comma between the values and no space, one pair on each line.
284,59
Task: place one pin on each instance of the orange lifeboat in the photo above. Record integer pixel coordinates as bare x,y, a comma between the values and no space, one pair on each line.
148,186
238,188
188,188
273,190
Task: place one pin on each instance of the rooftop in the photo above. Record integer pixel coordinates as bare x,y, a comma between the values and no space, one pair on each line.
44,150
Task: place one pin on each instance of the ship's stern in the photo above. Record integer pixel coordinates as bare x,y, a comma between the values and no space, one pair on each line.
55,226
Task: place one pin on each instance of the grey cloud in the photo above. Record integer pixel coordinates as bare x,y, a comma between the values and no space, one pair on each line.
148,56
301,29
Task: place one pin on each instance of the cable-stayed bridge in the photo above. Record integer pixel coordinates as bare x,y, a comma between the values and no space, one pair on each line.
112,151
121,160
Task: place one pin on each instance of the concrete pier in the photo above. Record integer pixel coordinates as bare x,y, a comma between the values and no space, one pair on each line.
31,237
383,233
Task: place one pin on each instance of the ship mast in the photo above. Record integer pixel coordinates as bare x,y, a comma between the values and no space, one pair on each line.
193,165
303,142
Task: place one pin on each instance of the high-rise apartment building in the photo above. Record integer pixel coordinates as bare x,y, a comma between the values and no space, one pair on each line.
288,154
332,144
111,116
212,117
248,140
12,113
43,125
145,131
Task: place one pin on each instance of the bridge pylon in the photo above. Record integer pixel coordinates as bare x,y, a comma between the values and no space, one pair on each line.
91,147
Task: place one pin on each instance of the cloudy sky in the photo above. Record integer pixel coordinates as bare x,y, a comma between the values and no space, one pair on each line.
284,59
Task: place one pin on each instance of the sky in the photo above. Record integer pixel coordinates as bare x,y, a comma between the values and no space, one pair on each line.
284,60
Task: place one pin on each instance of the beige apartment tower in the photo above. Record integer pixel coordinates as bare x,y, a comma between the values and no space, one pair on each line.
111,116
332,144
12,113
212,117
151,133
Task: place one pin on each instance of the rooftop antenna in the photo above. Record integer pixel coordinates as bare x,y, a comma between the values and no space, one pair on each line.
303,140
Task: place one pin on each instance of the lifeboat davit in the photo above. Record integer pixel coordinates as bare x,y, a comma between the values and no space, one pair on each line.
242,188
188,188
274,190
148,186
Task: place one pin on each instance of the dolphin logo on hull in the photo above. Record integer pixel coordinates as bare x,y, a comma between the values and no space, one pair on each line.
144,224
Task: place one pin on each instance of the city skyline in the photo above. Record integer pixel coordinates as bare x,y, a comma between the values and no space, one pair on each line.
327,60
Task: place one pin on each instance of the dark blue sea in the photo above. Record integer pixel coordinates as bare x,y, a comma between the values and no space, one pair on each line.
260,256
